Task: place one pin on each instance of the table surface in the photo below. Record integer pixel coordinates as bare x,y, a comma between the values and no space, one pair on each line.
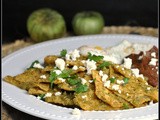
10,113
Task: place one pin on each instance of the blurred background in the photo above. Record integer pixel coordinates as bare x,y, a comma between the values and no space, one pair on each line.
115,12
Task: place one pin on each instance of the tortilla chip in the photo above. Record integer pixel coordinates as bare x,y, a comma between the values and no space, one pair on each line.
105,94
89,101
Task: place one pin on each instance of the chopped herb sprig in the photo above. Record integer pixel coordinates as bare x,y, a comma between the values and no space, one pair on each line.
81,88
125,106
52,77
72,81
125,80
41,96
112,80
104,64
95,57
31,66
63,53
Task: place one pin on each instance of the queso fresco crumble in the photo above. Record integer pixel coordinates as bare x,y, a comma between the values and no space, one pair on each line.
95,78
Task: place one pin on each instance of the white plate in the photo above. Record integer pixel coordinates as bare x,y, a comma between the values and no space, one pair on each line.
18,61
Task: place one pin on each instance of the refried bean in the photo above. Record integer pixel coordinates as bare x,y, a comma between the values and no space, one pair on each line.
142,60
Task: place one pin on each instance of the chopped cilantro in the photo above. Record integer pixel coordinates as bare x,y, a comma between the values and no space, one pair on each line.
81,88
125,80
94,57
31,66
104,64
63,53
52,77
41,96
73,81
112,80
65,73
94,80
125,106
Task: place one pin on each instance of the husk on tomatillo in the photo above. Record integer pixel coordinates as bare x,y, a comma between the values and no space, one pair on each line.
45,24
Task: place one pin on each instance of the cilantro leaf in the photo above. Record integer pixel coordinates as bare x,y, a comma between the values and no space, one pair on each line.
65,73
31,66
81,88
94,57
104,64
42,96
112,80
94,80
63,53
125,80
125,106
73,81
52,77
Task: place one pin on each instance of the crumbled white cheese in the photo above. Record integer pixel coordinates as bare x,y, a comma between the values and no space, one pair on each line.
83,81
97,53
141,75
72,55
107,84
127,94
90,81
117,66
146,83
151,102
136,73
75,67
83,61
57,93
90,65
68,57
120,82
62,80
75,54
38,65
153,54
38,97
48,95
148,88
84,96
104,77
58,72
115,87
60,63
153,61
140,57
127,63
101,73
119,91
43,76
76,111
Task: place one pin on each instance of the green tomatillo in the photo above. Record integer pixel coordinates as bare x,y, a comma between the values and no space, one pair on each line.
45,24
88,22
